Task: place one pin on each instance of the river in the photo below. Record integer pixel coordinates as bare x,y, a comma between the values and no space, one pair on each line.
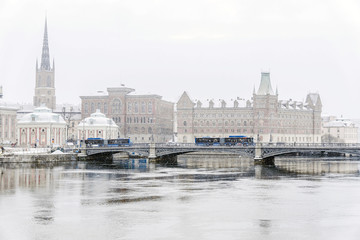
199,198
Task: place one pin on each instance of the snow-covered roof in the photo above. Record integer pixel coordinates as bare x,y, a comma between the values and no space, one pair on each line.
340,123
41,115
97,119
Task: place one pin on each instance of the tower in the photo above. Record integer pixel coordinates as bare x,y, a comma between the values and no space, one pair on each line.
45,77
265,109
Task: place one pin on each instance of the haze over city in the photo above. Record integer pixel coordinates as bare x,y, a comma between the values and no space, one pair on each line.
211,49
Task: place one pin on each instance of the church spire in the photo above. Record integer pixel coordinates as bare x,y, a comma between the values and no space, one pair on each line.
45,58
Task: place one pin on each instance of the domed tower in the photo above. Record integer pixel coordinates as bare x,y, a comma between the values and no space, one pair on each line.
45,77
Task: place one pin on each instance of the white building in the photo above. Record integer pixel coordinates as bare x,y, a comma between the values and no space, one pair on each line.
339,130
98,126
42,127
7,124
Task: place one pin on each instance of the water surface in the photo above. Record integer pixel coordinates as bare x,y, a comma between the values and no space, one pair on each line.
200,198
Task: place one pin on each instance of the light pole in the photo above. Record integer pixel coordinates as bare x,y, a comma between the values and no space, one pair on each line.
83,132
51,139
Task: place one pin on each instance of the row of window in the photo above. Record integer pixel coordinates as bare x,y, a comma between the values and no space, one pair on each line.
117,107
245,115
139,120
244,130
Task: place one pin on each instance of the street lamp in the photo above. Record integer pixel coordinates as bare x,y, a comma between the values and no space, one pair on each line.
83,132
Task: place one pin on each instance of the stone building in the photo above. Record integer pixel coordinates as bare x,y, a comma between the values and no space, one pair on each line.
142,118
264,117
97,126
7,124
42,127
339,130
45,77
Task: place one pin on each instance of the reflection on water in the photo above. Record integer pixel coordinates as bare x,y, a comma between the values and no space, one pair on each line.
323,166
199,198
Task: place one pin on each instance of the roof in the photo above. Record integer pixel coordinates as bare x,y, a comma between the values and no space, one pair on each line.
97,119
265,85
341,122
42,115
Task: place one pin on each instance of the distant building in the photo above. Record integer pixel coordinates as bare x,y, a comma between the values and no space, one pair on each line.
45,77
143,118
97,126
265,117
339,130
7,124
42,127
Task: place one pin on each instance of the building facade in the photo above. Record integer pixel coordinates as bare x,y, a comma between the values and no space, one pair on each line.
45,78
42,127
97,126
265,117
142,118
339,130
7,125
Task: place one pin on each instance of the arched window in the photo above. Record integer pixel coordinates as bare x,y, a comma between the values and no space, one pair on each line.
105,108
92,107
150,107
150,130
185,123
143,107
136,107
116,106
129,106
48,81
86,107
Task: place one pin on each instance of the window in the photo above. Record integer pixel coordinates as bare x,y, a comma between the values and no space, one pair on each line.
185,123
99,106
129,106
105,108
116,106
143,107
48,81
92,107
136,107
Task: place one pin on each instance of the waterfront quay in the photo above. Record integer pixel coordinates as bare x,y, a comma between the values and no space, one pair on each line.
262,153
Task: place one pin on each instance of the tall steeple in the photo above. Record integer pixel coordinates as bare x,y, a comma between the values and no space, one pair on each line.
45,57
45,77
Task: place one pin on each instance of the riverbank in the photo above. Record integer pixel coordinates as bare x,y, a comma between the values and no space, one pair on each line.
35,155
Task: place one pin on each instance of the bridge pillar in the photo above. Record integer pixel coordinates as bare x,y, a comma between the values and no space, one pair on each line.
259,159
152,151
258,152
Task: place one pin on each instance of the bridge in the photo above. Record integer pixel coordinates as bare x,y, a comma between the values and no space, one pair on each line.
262,153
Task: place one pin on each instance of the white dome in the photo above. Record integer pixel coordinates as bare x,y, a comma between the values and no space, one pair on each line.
97,119
42,115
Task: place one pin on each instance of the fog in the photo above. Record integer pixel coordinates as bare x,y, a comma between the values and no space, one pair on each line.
211,49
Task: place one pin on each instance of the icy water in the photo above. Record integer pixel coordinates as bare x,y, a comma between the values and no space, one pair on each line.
200,198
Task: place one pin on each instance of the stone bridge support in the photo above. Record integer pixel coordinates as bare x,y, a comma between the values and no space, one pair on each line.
260,160
152,151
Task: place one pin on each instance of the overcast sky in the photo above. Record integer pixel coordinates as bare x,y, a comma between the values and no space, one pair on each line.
211,49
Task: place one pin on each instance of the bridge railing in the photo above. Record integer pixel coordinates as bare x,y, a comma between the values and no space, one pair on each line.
319,145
